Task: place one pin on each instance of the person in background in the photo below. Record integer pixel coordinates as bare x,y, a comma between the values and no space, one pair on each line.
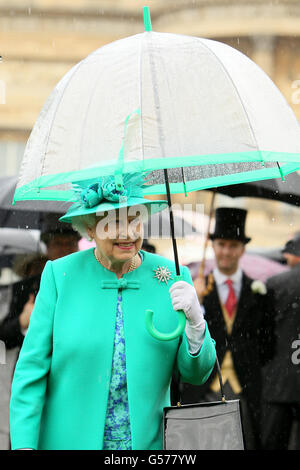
281,377
148,246
30,265
60,241
239,313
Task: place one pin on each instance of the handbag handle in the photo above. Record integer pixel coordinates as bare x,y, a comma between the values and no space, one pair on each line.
220,380
176,385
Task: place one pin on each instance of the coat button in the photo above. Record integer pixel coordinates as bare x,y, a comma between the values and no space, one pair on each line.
122,283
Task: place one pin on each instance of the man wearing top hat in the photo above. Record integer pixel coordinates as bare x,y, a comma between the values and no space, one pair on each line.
281,377
239,313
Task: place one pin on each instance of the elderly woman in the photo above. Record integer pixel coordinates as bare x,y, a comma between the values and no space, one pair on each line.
89,375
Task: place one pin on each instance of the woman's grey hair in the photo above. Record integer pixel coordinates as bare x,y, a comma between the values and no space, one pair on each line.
81,222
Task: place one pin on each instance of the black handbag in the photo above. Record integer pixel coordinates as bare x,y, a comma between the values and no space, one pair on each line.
204,426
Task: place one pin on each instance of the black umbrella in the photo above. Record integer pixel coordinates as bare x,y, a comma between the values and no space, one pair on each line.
25,214
287,191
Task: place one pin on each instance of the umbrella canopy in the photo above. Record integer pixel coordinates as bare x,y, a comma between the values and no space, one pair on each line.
154,101
287,191
25,214
18,241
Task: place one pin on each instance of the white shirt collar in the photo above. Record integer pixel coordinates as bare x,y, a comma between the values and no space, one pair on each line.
221,278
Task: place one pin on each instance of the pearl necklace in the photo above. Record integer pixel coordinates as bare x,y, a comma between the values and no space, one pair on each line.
132,266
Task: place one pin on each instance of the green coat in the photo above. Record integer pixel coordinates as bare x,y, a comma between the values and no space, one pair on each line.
61,382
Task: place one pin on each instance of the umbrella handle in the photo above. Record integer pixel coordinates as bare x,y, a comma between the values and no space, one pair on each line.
165,336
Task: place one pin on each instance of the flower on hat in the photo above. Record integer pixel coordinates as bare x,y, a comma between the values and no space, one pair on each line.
91,194
111,193
258,287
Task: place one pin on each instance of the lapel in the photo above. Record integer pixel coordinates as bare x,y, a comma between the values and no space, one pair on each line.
245,303
213,307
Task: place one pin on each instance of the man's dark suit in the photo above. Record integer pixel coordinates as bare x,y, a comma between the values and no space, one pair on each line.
10,330
281,384
251,343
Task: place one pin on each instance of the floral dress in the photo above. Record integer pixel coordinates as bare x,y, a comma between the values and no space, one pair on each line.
117,433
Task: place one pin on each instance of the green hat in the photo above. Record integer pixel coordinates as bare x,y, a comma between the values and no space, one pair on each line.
105,194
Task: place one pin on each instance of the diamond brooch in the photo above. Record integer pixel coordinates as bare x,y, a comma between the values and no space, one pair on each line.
163,274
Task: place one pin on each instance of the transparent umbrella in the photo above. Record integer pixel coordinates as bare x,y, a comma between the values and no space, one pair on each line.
193,113
157,101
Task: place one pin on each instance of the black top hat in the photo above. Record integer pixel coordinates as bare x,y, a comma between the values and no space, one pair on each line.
230,224
50,226
292,246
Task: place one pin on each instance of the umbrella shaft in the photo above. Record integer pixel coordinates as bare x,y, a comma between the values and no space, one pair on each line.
172,222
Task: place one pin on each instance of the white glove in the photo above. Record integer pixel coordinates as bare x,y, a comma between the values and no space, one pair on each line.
184,297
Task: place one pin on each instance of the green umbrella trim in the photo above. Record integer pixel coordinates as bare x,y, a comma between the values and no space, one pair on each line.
237,178
34,191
